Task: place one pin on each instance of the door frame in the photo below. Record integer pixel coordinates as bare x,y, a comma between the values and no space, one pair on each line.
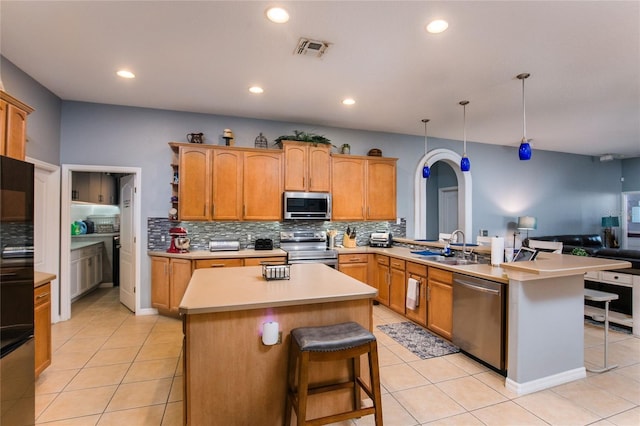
52,229
65,235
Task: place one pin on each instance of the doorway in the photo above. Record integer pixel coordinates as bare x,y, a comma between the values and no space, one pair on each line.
448,209
65,240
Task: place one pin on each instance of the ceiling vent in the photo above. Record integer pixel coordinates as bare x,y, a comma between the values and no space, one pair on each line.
306,46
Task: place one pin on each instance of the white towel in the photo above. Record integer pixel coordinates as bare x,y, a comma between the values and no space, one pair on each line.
412,293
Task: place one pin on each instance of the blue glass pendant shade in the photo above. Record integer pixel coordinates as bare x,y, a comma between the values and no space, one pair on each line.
525,151
426,172
465,164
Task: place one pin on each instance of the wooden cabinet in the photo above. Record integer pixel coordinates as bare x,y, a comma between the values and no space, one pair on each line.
382,282
169,280
95,188
85,269
306,166
363,188
419,273
397,285
13,126
220,183
440,301
42,327
355,265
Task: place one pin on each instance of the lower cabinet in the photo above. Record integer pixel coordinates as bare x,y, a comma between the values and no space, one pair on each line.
169,280
85,269
381,281
440,301
42,327
217,263
398,285
419,273
256,261
355,265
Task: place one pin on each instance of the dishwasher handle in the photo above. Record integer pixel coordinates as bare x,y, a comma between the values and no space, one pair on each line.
476,287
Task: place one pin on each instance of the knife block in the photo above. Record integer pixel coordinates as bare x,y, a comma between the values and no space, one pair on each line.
349,242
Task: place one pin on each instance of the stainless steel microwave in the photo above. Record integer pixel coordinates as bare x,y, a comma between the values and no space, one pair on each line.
307,205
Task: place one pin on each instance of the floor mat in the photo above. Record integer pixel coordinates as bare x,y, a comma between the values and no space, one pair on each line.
418,340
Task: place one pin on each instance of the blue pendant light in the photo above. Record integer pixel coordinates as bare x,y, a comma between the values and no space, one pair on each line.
524,152
426,171
465,164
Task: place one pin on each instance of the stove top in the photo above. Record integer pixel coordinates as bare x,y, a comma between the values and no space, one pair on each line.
306,245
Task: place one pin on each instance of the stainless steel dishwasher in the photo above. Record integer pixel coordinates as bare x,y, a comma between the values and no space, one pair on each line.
479,319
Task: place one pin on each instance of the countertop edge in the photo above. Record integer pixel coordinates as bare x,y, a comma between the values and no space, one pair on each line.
41,278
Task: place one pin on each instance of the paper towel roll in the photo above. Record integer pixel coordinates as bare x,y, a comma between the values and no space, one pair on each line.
270,331
497,250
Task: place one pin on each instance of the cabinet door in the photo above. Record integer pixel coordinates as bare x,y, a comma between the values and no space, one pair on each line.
295,166
80,186
418,272
75,276
382,279
440,305
381,189
42,327
97,262
227,185
319,175
180,276
256,261
355,270
194,183
16,132
397,292
262,186
3,127
160,282
347,188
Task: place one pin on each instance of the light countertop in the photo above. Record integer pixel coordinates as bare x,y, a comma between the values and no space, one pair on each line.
244,288
225,254
77,245
41,278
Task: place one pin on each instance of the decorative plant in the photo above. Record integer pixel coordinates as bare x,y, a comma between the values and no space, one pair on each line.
304,137
579,252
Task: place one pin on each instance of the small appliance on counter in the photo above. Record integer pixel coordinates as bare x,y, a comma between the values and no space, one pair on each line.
381,239
224,245
179,241
264,244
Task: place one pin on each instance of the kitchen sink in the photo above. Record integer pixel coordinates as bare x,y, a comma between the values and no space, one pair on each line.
448,260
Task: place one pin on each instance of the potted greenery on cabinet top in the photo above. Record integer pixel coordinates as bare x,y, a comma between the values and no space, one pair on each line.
300,136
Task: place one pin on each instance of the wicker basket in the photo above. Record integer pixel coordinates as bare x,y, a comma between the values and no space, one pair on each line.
105,224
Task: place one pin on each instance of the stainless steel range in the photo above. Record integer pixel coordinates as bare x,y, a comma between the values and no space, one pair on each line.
308,247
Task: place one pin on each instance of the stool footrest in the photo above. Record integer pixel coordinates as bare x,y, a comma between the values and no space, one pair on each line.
340,417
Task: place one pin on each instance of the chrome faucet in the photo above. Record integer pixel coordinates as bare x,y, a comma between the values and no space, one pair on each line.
464,242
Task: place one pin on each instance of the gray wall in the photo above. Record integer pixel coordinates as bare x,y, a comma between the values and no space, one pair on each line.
43,128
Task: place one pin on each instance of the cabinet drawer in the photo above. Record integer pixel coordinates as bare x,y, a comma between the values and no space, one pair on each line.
616,278
397,263
352,258
417,269
42,294
256,261
382,260
441,275
218,263
592,275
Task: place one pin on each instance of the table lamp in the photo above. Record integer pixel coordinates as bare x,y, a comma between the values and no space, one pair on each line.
527,223
609,222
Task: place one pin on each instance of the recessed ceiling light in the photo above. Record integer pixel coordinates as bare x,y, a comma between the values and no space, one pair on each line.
126,74
348,101
437,26
277,15
256,89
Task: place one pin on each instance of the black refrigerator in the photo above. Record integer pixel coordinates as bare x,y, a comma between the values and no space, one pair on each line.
17,376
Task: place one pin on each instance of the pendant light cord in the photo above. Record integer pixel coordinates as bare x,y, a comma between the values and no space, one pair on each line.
524,116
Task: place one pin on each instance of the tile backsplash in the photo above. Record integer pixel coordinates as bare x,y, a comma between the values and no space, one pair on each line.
201,233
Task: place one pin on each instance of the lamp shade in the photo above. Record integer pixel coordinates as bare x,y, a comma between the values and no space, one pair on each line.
527,222
610,221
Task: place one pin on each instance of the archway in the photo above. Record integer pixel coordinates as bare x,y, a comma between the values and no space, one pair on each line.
420,193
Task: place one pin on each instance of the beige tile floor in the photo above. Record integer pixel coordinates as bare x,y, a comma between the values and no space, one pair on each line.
113,368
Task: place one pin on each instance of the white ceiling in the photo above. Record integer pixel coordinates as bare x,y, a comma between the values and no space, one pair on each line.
583,95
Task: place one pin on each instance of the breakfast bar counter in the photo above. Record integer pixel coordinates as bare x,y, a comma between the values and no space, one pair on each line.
230,376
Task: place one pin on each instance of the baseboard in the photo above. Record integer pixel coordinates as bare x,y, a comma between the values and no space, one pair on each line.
147,311
545,382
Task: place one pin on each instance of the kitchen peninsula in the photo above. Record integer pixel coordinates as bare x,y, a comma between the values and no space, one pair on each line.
229,374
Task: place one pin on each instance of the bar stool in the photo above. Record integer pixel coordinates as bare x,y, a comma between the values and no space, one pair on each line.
348,340
602,296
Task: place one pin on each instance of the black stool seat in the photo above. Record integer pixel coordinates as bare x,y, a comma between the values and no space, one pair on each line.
329,338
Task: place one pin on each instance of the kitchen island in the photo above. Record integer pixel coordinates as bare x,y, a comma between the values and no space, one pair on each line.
230,377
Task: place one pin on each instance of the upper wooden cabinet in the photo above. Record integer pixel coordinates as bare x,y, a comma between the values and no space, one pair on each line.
13,126
307,166
221,183
94,187
363,188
